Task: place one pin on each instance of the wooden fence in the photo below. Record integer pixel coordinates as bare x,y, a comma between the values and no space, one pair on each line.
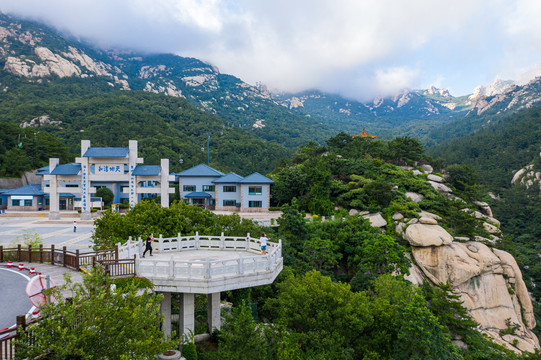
9,335
62,257
70,259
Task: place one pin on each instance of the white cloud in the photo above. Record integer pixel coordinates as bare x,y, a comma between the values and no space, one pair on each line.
359,48
392,80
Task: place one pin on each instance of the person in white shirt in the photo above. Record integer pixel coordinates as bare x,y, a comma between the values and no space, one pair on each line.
263,242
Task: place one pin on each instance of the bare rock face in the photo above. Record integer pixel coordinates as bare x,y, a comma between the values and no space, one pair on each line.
435,178
440,187
376,219
490,285
415,197
56,63
427,235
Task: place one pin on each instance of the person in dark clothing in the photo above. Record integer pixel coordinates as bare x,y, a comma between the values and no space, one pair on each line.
148,244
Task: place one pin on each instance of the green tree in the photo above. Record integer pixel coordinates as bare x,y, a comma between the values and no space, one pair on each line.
405,149
149,217
327,317
97,323
242,338
106,195
404,327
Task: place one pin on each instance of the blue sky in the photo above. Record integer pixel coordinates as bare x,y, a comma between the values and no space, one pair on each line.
359,48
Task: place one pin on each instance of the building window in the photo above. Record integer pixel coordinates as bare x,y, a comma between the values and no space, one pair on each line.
255,204
208,187
230,202
212,202
188,188
28,203
255,190
72,185
230,188
15,202
1,201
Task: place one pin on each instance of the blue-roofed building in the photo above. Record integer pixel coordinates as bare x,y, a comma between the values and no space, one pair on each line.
208,187
29,197
119,169
3,199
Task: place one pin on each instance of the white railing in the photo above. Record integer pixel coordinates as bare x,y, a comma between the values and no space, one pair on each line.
204,269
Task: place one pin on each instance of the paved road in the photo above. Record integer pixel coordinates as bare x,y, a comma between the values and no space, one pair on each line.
13,298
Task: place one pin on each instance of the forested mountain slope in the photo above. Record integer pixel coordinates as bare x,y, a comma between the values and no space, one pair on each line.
33,53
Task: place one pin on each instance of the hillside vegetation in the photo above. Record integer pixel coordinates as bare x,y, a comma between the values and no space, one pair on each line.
336,298
166,127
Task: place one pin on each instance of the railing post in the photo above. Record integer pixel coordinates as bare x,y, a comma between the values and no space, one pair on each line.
40,253
64,256
19,252
248,241
77,259
134,265
160,240
21,322
30,253
179,242
140,245
116,252
1,253
197,240
279,252
222,238
52,254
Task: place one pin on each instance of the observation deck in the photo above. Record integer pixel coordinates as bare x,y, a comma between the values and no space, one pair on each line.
203,264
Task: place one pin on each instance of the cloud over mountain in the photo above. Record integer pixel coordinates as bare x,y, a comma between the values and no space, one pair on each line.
360,49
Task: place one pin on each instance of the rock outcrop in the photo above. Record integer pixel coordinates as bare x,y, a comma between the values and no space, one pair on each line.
488,280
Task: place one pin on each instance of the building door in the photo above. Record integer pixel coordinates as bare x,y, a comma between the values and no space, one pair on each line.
198,202
62,204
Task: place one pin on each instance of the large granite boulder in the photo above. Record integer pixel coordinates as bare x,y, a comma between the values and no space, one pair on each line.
435,178
376,220
490,285
440,187
427,235
414,196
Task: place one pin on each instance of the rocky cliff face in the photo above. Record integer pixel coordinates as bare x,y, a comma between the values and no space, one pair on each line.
488,280
505,96
529,176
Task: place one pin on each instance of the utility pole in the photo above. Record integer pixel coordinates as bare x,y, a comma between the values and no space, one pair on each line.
208,148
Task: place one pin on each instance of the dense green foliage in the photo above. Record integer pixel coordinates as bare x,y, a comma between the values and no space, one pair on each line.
498,150
97,323
166,127
149,217
27,149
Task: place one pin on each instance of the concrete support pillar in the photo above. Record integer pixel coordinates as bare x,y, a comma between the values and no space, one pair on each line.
213,312
165,309
187,314
164,182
